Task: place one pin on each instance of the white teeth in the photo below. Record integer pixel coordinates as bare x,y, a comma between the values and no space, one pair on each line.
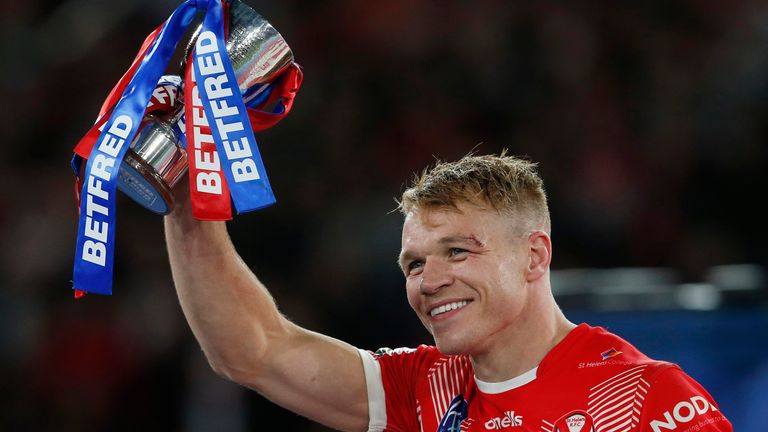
447,307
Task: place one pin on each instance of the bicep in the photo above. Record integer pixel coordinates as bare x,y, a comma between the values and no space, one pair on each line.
316,376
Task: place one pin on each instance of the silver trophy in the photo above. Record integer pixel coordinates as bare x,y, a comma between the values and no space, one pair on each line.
156,161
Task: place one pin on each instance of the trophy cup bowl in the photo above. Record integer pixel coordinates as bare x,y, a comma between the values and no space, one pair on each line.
156,161
257,51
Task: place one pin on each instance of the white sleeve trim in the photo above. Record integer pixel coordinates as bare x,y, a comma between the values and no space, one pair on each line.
377,408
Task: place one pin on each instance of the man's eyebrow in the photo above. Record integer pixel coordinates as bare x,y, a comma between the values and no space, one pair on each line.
461,239
403,257
406,254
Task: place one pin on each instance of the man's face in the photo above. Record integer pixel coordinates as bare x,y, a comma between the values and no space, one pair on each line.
465,275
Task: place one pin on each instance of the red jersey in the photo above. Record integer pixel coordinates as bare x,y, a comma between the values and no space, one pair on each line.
592,381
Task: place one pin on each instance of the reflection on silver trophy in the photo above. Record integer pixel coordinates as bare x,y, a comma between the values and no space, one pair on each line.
156,161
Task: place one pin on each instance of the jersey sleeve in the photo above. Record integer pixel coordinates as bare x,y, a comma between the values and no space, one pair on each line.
391,380
676,402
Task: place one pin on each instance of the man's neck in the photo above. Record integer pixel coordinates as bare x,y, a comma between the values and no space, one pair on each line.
523,345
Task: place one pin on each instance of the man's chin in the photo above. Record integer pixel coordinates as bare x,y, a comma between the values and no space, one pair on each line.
448,347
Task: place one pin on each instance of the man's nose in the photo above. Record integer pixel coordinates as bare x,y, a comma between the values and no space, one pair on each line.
435,275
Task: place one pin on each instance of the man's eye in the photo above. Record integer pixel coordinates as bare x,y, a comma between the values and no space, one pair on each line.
457,251
414,265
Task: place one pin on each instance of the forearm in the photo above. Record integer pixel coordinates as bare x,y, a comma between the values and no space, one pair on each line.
247,340
230,312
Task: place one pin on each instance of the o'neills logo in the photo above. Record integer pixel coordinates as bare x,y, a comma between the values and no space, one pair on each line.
682,413
508,420
575,421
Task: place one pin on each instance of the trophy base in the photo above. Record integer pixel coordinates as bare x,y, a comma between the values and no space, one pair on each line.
141,183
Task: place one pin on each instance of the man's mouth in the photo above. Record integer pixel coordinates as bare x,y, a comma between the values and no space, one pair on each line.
447,308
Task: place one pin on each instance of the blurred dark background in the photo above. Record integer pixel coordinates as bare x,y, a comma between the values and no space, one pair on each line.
648,120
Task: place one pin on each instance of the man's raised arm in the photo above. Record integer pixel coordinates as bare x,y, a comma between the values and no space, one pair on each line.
247,340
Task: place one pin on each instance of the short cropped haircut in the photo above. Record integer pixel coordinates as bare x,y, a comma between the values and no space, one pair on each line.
508,184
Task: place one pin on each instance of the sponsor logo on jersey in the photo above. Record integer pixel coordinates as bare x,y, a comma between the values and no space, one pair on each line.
608,358
508,420
613,352
683,412
575,421
457,412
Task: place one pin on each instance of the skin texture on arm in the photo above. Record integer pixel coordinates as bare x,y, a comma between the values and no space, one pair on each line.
247,340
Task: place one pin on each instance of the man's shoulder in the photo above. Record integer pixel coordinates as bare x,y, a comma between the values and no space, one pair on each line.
422,357
401,351
421,351
598,352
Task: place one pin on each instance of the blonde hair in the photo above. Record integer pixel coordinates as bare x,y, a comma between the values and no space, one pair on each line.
507,184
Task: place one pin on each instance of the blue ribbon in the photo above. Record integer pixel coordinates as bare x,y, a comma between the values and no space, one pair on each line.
228,118
250,189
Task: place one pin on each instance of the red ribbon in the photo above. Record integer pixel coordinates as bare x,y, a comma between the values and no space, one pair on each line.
83,148
208,189
284,93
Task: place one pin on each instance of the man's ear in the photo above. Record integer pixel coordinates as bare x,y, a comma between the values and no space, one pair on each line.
540,255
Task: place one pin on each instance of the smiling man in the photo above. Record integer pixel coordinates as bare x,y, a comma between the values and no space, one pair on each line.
476,252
